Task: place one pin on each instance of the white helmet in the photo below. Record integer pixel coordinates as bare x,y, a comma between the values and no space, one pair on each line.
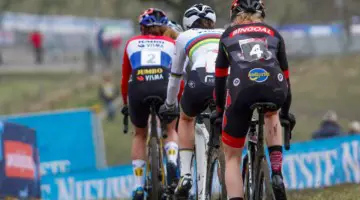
196,12
175,26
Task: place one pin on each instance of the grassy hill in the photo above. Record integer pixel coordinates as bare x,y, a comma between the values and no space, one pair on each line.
20,90
321,84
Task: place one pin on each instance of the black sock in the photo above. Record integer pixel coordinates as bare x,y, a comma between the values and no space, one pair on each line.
276,157
237,198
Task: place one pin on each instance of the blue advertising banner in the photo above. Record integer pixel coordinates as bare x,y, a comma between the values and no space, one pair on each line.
111,183
19,162
322,163
65,139
311,164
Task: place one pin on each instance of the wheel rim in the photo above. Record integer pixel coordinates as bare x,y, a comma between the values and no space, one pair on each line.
262,187
215,190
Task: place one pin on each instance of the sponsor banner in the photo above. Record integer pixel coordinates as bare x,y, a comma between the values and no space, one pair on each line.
323,163
111,183
311,164
63,139
19,162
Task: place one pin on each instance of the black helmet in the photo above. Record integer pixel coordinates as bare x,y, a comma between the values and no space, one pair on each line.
247,6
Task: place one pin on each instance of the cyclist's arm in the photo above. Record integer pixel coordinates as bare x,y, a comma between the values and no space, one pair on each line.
221,73
126,72
285,68
176,72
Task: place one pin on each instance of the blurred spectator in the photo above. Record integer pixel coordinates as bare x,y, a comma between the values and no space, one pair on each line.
354,128
329,127
36,40
104,48
108,92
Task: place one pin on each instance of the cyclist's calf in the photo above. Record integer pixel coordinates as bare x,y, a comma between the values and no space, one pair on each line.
233,177
139,144
172,135
273,129
141,132
186,131
186,118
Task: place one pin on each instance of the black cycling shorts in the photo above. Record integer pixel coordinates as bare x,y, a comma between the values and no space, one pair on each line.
245,88
198,92
146,82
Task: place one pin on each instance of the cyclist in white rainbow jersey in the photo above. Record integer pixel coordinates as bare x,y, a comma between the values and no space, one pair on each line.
200,44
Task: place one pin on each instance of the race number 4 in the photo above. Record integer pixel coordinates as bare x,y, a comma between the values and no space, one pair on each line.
256,50
150,58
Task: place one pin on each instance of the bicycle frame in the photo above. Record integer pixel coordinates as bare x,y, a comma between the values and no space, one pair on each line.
155,166
153,133
207,144
202,138
256,152
258,172
159,135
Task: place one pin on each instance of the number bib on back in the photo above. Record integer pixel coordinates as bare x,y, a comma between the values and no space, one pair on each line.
150,58
254,49
150,51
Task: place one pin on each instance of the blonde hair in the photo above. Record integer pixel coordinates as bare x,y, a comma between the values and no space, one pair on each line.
159,31
243,18
153,30
171,33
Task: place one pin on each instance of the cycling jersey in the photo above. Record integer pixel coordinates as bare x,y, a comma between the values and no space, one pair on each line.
258,73
145,71
200,47
145,53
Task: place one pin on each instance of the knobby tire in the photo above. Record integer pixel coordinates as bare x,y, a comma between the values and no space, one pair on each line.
155,170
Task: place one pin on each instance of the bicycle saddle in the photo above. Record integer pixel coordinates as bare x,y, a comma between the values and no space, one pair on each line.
264,106
153,100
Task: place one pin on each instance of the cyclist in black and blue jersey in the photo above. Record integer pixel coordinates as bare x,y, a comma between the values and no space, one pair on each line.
259,73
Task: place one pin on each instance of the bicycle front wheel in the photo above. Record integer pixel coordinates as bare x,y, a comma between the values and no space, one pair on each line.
155,192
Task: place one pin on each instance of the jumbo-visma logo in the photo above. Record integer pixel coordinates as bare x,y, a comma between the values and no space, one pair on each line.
258,75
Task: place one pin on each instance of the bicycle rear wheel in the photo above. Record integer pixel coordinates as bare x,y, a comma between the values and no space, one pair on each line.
155,192
263,189
216,169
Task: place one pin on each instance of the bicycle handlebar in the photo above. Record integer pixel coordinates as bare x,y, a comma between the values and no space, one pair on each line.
287,134
126,124
205,115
